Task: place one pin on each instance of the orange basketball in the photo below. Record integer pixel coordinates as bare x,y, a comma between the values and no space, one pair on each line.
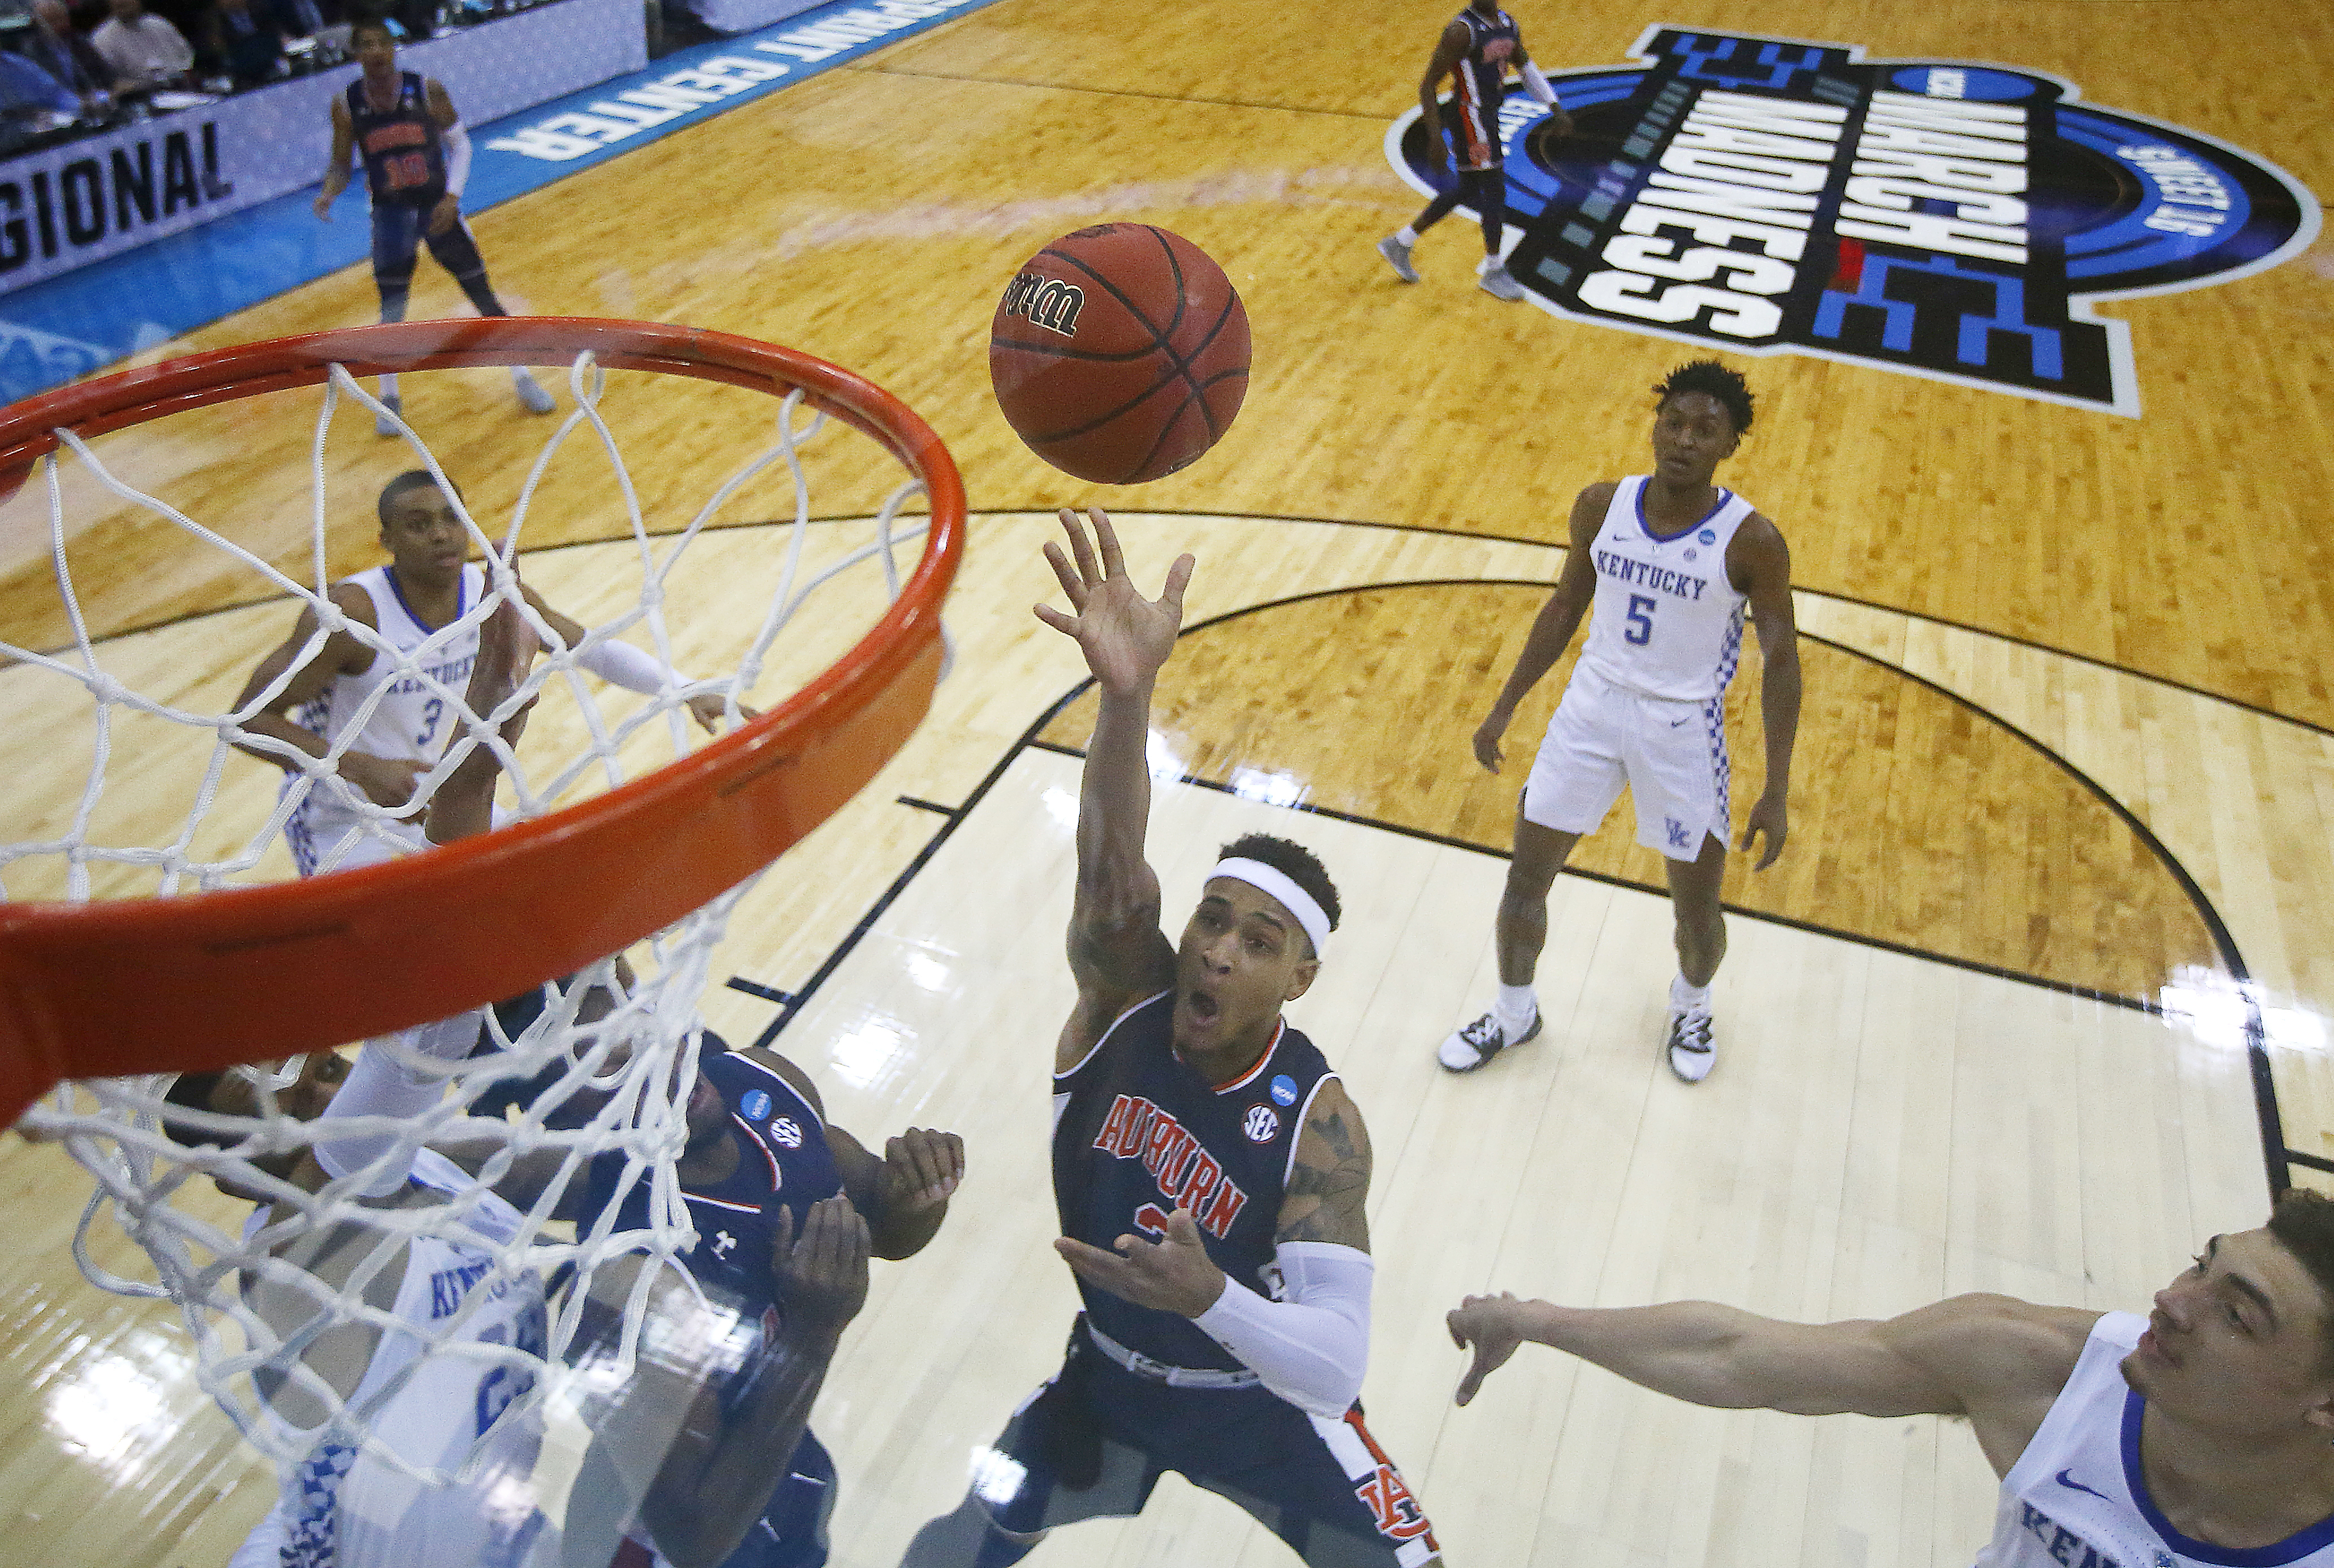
1120,353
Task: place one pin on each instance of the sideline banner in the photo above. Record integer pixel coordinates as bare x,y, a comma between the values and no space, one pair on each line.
67,206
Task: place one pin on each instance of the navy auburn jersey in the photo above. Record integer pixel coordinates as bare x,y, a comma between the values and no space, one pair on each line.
1480,83
783,1158
404,157
1138,1134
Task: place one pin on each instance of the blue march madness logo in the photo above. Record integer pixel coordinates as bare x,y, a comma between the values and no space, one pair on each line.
1940,218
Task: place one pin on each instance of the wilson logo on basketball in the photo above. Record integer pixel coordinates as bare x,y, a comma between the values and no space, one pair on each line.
1938,218
1047,303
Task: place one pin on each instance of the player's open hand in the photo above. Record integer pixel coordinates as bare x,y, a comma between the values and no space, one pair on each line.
1124,636
385,781
1486,739
922,1168
1490,1325
708,707
1174,1274
507,650
1768,817
822,1278
323,205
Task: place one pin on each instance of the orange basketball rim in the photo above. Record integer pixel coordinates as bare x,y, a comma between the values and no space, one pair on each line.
104,989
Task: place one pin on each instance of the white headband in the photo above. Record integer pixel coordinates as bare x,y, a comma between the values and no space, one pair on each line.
1299,902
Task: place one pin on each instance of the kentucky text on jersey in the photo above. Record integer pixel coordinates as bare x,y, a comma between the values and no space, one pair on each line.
2063,1544
445,675
1189,1177
1646,574
448,1287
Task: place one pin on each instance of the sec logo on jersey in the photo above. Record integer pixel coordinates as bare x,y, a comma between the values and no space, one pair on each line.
1933,217
1260,1124
786,1132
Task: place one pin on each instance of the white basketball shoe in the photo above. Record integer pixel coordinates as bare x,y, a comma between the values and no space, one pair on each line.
1473,1045
1691,1053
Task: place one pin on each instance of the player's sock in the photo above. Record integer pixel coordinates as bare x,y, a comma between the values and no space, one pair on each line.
384,424
1685,998
1405,236
1517,1007
530,391
482,295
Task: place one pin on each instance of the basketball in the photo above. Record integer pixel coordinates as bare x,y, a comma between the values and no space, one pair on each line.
1119,354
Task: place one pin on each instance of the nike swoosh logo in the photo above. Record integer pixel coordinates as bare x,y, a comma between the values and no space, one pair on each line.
1675,722
2067,1479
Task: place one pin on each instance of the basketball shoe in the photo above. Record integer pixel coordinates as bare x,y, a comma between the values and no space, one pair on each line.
1466,1048
386,424
1397,256
530,391
1691,1053
1496,280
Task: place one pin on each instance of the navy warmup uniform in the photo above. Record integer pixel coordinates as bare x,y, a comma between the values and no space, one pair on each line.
1138,1133
783,1160
1470,121
405,172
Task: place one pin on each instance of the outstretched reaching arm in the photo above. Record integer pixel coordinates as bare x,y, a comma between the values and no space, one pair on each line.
1996,1359
1118,954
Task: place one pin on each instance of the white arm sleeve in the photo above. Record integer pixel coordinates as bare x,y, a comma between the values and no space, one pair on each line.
620,664
1313,1347
456,143
1537,85
378,1086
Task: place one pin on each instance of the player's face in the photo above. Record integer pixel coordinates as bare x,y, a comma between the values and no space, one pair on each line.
1693,434
321,1075
423,535
707,1117
2238,1344
376,51
1242,956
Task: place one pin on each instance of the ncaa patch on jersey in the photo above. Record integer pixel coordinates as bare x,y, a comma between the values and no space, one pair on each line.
755,1106
1934,218
1260,1124
1284,1089
786,1130
1708,536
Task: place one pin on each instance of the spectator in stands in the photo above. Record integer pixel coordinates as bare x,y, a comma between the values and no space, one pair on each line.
51,44
144,50
304,18
245,44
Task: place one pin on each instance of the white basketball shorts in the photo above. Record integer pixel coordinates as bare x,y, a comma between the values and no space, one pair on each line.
1672,754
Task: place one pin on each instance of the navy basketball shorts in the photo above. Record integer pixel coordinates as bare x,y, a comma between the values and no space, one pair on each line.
1672,754
399,231
1093,1442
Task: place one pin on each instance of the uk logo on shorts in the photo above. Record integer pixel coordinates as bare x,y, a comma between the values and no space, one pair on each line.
756,1105
786,1132
1260,1124
1939,218
1284,1091
1676,831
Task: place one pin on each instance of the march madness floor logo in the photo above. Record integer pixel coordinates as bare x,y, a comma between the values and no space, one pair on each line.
1940,218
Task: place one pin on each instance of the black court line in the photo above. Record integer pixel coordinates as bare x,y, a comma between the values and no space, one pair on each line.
756,989
1559,546
1119,92
2277,1158
924,805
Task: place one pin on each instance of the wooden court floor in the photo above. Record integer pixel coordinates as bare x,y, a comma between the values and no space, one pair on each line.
2064,774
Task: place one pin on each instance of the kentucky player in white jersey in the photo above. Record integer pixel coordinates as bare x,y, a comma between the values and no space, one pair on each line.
2200,1434
414,603
1671,562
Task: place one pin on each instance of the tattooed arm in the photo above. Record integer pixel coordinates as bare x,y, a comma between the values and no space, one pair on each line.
1323,1201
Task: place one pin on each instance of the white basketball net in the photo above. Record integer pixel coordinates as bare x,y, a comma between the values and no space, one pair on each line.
616,1087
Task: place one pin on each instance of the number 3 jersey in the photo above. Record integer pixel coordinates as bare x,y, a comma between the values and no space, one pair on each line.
1667,622
1138,1134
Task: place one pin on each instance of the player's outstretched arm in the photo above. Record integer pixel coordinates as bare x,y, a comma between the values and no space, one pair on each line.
1767,561
1998,1361
1118,954
619,663
1552,630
